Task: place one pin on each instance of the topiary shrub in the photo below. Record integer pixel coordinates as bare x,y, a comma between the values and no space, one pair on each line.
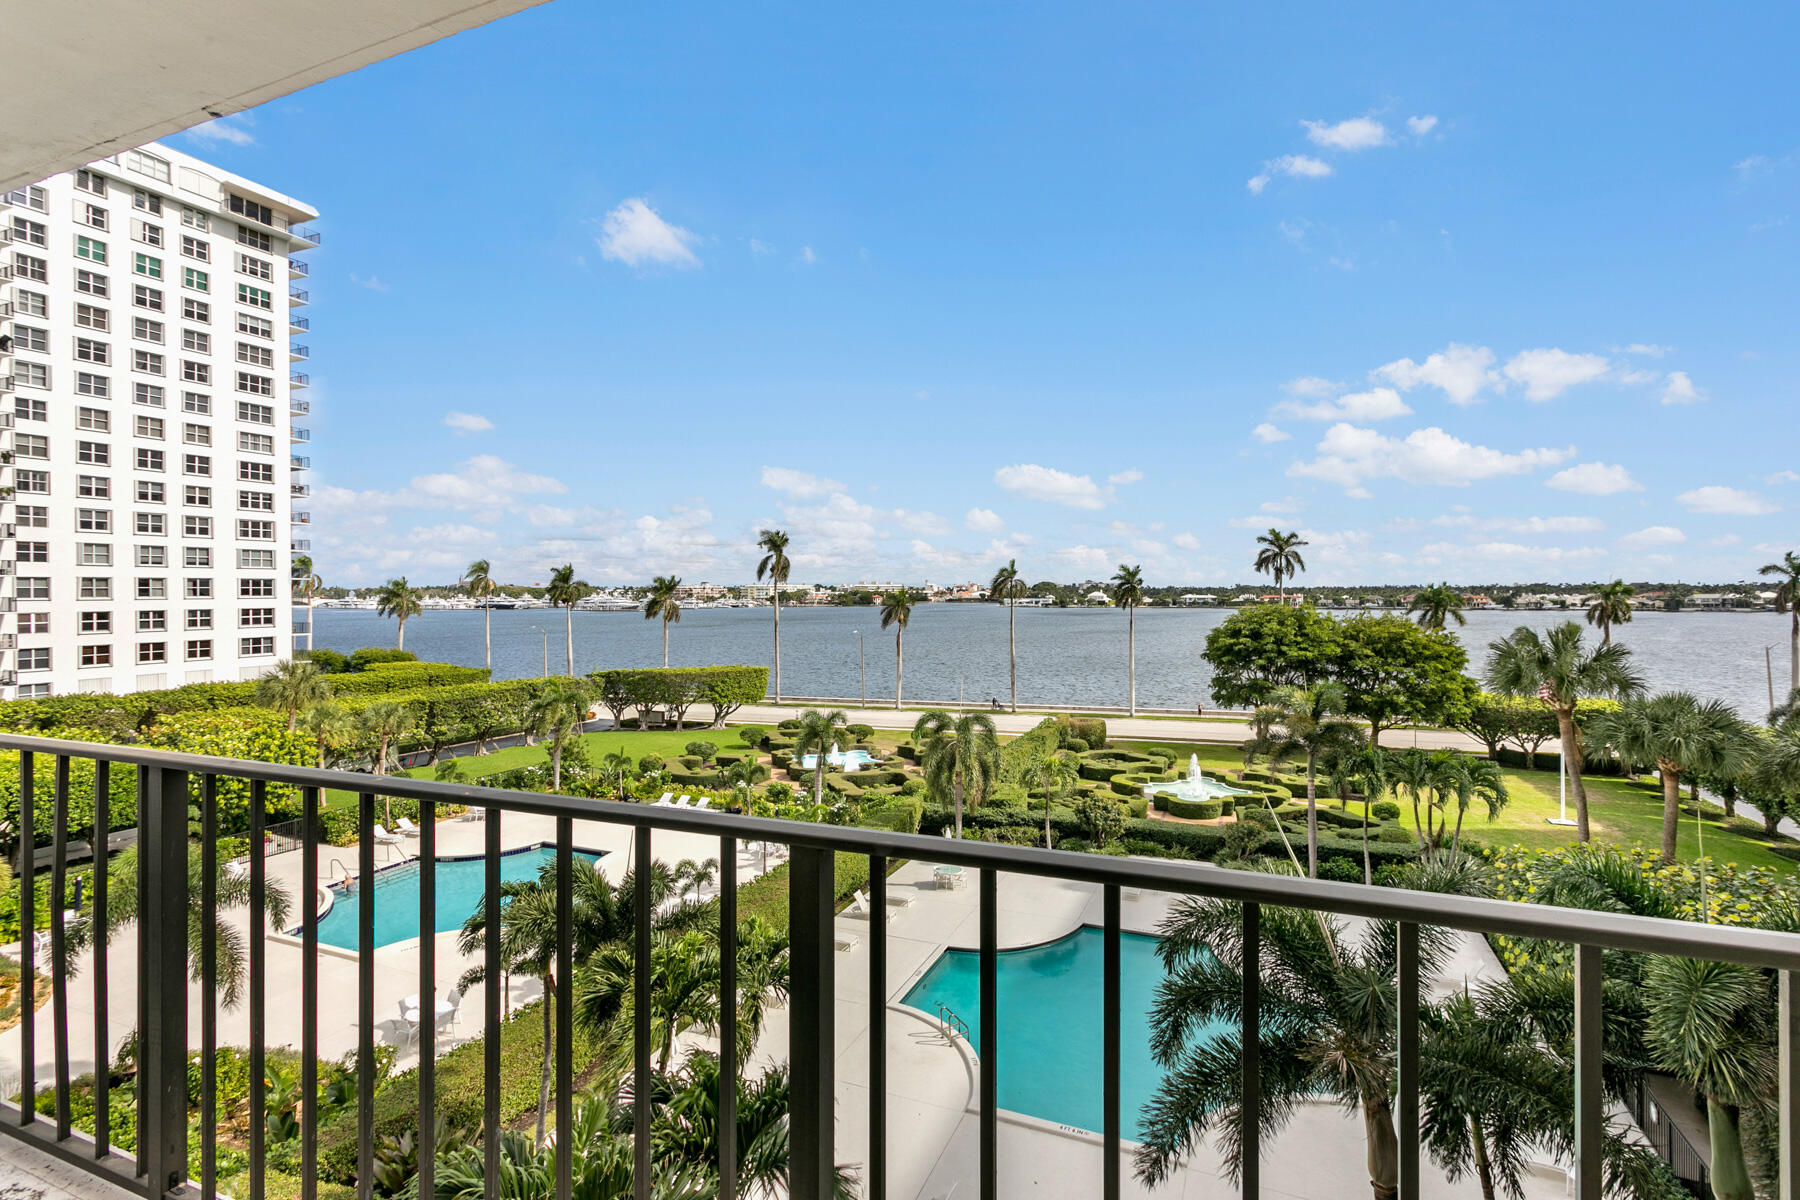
1384,810
861,733
368,656
1007,795
1340,870
781,760
703,751
751,735
791,725
1139,806
691,761
650,764
1194,810
1077,746
328,661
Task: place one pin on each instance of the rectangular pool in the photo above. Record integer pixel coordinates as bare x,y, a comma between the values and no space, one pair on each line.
460,883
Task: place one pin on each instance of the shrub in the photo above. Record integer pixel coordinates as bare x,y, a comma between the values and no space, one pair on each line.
650,764
330,662
1007,795
792,725
1077,745
368,656
751,735
1139,806
703,751
781,760
1340,870
1100,819
861,733
1385,810
898,815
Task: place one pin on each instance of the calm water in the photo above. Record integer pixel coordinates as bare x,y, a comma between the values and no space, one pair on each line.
460,884
1066,655
1050,1030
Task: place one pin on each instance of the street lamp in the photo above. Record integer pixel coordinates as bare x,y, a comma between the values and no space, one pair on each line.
862,670
546,634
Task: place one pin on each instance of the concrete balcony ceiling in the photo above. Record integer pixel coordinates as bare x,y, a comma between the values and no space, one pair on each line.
91,79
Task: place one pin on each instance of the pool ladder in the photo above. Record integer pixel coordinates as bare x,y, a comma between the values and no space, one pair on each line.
950,1023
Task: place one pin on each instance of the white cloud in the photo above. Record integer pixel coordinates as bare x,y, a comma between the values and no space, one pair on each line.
1654,535
635,235
1311,385
1461,372
482,480
1421,126
1647,349
1286,506
1186,541
1350,455
1679,389
798,483
1377,404
1269,434
927,523
1752,166
1057,487
221,129
1783,477
806,257
1527,525
1547,373
1294,166
465,423
1130,475
1083,557
1725,539
373,282
1502,552
833,534
984,520
760,247
1355,133
1720,501
1594,479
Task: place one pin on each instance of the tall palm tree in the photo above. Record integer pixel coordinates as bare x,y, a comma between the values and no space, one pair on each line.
1311,722
1559,670
556,711
292,684
307,585
384,723
331,725
818,732
663,603
1280,557
959,756
1367,772
1787,600
1436,604
478,581
775,565
565,591
896,611
398,599
1467,780
1682,735
1611,606
1006,589
1056,774
1128,593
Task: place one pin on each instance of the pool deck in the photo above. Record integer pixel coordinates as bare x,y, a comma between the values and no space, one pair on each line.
933,1129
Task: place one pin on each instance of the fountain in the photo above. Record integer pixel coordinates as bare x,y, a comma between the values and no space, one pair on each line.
1196,786
1193,768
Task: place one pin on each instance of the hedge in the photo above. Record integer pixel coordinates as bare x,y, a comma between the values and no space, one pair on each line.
726,688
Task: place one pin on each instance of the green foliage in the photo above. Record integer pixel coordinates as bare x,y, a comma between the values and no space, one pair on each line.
861,733
751,735
899,814
677,689
1192,810
702,751
1340,870
1384,810
1100,819
1394,671
121,792
650,764
256,735
1267,646
368,656
328,661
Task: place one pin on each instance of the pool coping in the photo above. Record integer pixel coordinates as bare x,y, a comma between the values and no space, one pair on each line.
328,891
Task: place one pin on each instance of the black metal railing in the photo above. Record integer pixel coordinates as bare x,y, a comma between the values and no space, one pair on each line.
168,783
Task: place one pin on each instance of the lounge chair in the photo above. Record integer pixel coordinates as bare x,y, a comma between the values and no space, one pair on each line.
685,802
384,838
408,1023
704,802
406,828
846,941
667,801
859,905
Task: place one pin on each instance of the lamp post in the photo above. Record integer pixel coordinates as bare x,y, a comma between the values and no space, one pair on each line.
862,670
546,634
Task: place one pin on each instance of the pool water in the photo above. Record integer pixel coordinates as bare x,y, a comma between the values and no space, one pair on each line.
1050,1052
848,760
461,883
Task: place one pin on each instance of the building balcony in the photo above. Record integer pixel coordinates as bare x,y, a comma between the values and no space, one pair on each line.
297,297
296,352
300,464
8,678
297,269
298,324
297,379
300,546
9,641
303,518
299,489
298,407
9,604
297,434
308,237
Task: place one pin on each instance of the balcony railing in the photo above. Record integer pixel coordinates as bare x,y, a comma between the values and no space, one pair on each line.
297,434
298,296
171,786
299,489
303,518
299,463
309,236
296,351
300,545
299,407
299,323
297,379
296,267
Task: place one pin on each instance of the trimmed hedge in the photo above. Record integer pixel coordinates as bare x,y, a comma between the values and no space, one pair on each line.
677,689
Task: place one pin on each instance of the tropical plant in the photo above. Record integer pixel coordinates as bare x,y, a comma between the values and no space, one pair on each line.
291,685
618,769
816,735
1101,818
1280,558
1366,771
384,722
774,566
1006,588
959,755
307,585
1467,779
565,591
1128,593
1787,600
400,600
1056,773
479,582
556,711
663,602
1682,735
745,774
331,725
1559,670
1611,606
1436,604
1310,722
896,611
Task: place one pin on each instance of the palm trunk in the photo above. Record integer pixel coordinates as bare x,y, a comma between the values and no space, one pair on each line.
1012,655
1730,1174
1383,1149
1417,827
1368,865
400,644
1484,1170
899,663
1794,646
569,637
1671,789
556,766
1312,821
1456,838
819,775
1131,652
665,645
549,1061
956,792
1571,755
778,643
487,632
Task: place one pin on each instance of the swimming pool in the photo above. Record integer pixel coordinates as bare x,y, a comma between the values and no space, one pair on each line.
1050,1023
848,760
460,883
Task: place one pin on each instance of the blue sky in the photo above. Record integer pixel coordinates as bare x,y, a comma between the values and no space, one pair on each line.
1499,293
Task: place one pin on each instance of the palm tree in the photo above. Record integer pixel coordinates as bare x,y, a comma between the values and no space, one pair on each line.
1437,603
618,768
1683,736
1559,670
896,611
398,599
556,711
817,734
774,565
1470,779
307,585
1367,772
662,603
959,756
1611,606
478,581
1787,600
565,591
1057,774
1128,593
331,725
744,775
292,684
1006,589
1327,1029
1280,557
385,722
1312,723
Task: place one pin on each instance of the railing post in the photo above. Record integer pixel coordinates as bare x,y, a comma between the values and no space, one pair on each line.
811,891
1406,1035
162,1042
1589,1089
1250,1102
1788,1082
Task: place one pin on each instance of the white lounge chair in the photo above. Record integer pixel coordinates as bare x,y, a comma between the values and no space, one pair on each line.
667,801
685,802
704,802
384,838
448,1020
405,827
846,941
859,905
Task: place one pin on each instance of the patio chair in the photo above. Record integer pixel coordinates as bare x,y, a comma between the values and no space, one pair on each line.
859,904
384,838
846,941
447,1020
408,1024
704,802
405,827
685,802
667,801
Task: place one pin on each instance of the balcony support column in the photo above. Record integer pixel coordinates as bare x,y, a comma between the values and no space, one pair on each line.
811,949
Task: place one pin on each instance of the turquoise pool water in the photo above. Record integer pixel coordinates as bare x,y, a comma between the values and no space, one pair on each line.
460,883
1050,1049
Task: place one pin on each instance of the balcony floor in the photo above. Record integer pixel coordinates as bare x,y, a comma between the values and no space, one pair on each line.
29,1174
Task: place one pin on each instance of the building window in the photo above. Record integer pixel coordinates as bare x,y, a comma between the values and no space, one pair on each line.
90,316
257,414
148,362
256,560
256,472
195,310
196,464
257,501
148,427
31,374
31,233
94,587
96,656
90,283
191,278
243,206
153,587
152,652
147,330
254,589
97,419
195,247
31,197
93,554
197,403
93,487
256,356
256,618
88,181
34,482
255,326
31,408
200,589
256,531
92,351
254,646
195,342
150,491
193,218
152,556
197,557
95,622
196,527
34,587
147,164
89,384
32,516
30,304
92,249
97,454
195,372
30,266
34,622
33,552
199,649
32,339
256,239
256,443
146,202
152,524
195,496
256,385
199,618
93,520
148,394
147,297
149,460
261,268
94,216
35,658
147,265
152,620
145,232
255,297
197,435
31,445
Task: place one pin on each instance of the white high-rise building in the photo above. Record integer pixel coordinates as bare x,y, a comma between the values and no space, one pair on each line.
148,481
